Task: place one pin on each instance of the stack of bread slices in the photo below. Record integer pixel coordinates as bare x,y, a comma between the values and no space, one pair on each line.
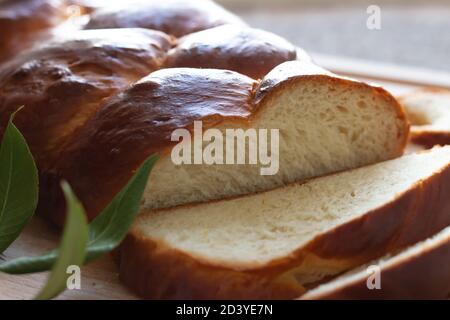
102,98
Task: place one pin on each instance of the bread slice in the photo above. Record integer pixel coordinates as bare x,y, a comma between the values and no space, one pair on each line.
429,113
326,124
419,272
275,244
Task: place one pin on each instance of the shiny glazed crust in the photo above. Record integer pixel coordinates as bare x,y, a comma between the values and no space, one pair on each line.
139,122
23,22
174,17
249,51
413,216
65,81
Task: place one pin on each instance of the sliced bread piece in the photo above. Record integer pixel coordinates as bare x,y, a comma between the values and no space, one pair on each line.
273,245
429,113
326,124
419,272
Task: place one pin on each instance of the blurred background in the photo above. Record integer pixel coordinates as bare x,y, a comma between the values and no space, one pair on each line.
412,32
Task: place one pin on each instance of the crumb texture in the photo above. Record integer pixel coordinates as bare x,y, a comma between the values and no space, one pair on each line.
260,228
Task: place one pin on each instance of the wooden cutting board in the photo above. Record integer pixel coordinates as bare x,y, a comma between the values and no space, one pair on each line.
100,279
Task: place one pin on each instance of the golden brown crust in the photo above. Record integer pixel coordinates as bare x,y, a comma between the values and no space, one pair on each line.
174,17
155,271
63,84
424,274
24,22
252,52
429,139
285,73
139,122
66,80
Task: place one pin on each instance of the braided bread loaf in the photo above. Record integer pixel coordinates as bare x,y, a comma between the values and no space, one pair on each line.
23,23
99,102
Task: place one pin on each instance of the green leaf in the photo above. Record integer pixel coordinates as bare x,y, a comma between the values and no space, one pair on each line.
105,232
26,265
110,227
18,185
72,250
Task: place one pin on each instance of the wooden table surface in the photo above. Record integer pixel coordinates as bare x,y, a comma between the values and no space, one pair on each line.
100,279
